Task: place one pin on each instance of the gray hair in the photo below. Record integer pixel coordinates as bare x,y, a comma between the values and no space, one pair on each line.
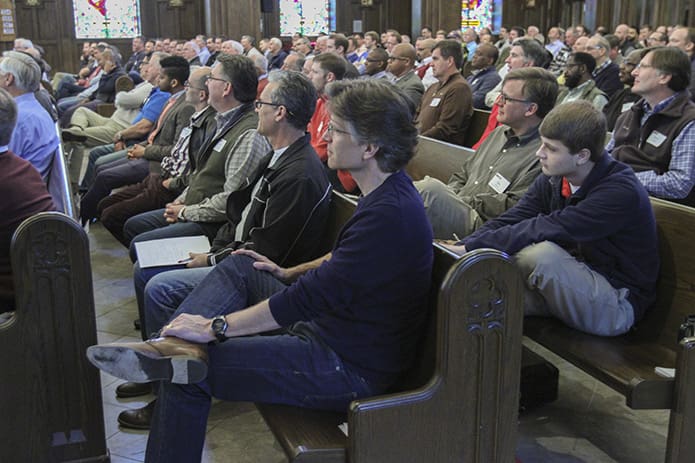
24,68
276,41
238,47
23,43
261,63
297,94
8,116
379,113
194,46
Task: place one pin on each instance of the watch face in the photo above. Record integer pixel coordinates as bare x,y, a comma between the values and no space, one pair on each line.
218,325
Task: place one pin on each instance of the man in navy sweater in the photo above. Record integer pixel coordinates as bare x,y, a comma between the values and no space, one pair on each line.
584,233
351,319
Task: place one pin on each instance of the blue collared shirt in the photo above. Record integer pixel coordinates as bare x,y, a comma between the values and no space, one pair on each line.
34,137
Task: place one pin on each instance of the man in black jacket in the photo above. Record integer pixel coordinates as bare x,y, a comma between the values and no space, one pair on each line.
280,213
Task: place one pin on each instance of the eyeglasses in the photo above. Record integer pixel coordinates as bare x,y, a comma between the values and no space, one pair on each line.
209,78
187,84
373,60
504,99
331,128
645,66
397,58
259,104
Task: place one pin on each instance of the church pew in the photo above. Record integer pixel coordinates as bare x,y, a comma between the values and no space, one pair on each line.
459,403
51,396
626,363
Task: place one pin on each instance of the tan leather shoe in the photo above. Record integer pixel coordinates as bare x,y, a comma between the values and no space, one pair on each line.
161,359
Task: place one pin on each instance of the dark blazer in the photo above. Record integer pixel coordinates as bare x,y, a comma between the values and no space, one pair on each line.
608,80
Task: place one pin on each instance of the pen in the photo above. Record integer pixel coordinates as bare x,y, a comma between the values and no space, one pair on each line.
185,261
456,237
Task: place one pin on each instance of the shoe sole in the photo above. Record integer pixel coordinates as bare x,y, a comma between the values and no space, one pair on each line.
129,395
132,365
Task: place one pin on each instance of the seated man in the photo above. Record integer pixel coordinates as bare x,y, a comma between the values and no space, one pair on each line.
656,136
91,129
135,167
225,161
446,107
623,99
584,234
352,319
484,76
165,184
137,131
579,85
505,165
34,137
23,195
280,214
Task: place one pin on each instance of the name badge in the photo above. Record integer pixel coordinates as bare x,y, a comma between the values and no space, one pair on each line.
499,183
435,102
320,127
656,138
219,146
626,106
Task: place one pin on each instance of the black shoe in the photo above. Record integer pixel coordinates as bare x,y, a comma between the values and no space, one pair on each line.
139,418
130,389
67,135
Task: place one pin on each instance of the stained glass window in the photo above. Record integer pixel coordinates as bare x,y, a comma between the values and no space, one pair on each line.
115,19
479,13
308,17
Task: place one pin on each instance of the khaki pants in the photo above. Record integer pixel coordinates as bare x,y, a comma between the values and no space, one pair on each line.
449,215
558,285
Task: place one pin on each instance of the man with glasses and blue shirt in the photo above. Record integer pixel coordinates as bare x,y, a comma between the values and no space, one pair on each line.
505,165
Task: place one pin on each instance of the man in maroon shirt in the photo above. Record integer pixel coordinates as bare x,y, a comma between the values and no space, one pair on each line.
24,194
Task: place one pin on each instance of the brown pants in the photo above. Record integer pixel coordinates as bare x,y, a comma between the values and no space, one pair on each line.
145,196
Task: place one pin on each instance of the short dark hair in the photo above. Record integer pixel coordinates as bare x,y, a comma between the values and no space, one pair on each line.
613,41
340,41
578,125
176,67
540,87
672,61
520,31
241,72
331,63
584,59
533,51
450,48
297,94
379,113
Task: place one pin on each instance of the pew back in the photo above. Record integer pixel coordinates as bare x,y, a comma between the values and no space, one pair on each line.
51,395
470,354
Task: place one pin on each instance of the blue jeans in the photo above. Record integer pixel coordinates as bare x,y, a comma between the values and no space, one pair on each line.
94,154
294,367
160,291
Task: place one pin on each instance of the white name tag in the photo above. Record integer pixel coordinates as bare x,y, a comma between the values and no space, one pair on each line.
498,183
435,102
220,145
626,106
656,138
320,127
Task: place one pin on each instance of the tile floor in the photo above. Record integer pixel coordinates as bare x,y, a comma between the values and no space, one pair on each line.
588,423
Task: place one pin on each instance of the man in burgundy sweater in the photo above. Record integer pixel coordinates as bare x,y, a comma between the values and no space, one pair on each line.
24,194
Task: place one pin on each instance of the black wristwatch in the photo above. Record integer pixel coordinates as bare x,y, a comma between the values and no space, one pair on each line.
219,326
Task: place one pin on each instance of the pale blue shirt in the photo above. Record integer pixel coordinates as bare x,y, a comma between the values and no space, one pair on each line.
34,137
